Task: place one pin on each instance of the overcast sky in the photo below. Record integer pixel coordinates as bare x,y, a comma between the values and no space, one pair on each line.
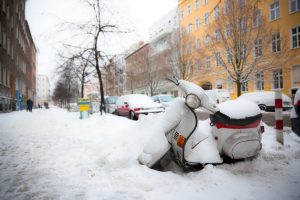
46,16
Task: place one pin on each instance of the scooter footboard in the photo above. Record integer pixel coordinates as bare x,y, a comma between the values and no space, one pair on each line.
242,145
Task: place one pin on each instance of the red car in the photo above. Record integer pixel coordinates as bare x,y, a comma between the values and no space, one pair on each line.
135,104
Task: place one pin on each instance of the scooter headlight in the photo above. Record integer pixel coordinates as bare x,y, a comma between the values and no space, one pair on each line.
193,101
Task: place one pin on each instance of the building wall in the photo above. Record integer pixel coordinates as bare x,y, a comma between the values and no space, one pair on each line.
286,21
164,25
42,89
137,64
17,57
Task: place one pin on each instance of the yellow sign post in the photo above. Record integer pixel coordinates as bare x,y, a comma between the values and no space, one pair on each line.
84,107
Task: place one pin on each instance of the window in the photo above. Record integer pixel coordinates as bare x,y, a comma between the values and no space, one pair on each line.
229,55
207,40
294,5
217,35
242,52
190,28
259,81
228,30
258,48
276,42
242,25
181,14
198,23
229,84
257,18
274,11
198,43
189,9
196,4
218,59
227,6
295,76
277,79
244,87
206,18
296,37
198,64
207,62
205,2
241,3
216,12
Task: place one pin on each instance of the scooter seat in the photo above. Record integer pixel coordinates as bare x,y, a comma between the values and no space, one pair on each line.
221,120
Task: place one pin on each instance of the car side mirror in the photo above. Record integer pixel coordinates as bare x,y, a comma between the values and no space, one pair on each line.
126,104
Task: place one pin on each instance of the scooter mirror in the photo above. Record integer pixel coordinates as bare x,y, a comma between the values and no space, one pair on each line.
193,101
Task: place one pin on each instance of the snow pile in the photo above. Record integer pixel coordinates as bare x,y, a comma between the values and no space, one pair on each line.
52,154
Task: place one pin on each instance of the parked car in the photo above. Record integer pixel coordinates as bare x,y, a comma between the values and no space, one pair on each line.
135,104
110,104
266,100
163,99
218,95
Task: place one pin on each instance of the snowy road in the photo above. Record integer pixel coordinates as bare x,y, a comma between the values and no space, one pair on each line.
52,154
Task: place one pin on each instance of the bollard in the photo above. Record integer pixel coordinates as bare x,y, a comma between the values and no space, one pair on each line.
279,117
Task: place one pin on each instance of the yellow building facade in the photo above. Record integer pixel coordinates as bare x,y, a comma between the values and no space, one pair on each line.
281,15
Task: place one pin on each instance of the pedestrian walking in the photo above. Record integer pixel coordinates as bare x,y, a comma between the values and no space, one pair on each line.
28,103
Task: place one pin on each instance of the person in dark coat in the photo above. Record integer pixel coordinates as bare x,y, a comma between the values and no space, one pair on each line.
28,103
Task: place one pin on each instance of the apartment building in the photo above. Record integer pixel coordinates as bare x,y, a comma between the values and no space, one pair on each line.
279,18
137,70
42,89
114,77
17,57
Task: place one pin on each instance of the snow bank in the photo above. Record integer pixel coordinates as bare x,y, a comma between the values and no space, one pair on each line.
52,154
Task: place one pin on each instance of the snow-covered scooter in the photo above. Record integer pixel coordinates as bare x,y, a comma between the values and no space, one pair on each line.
233,130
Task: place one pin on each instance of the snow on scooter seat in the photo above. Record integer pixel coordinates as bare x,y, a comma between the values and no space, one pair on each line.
239,109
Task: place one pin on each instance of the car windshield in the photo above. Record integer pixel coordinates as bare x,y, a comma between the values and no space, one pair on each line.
166,98
112,100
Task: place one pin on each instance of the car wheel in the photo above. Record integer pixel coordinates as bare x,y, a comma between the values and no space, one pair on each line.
131,115
262,107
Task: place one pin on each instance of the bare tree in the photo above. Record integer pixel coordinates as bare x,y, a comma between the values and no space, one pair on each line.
240,39
182,52
94,32
66,89
77,65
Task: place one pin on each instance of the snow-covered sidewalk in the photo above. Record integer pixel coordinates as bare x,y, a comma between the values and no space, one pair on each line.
52,154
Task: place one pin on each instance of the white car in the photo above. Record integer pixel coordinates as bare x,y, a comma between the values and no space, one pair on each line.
110,104
218,95
135,104
164,99
266,100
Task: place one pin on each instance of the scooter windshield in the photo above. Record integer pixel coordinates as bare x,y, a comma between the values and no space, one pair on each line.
206,102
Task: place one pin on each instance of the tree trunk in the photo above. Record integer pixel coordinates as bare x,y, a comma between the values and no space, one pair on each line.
238,88
82,86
